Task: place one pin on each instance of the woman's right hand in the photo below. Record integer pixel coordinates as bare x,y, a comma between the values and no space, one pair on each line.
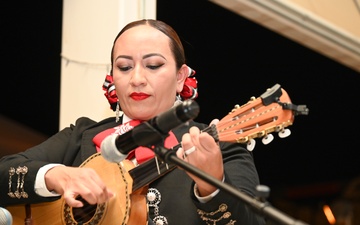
73,181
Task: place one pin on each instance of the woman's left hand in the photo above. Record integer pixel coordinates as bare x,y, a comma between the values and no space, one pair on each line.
200,150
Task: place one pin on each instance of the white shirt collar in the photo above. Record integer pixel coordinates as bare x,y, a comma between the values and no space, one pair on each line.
125,119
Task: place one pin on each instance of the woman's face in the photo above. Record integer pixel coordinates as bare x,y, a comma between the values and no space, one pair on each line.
145,73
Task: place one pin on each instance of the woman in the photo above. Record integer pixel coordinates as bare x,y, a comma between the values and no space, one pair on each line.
149,74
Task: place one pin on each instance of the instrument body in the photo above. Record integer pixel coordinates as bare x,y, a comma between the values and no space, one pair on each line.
120,208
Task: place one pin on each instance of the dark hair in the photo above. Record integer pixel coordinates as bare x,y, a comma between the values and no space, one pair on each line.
175,43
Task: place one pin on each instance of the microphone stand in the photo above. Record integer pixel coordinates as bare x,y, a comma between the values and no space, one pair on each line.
261,207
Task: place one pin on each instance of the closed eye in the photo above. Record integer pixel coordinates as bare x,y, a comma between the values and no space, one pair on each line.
124,68
154,67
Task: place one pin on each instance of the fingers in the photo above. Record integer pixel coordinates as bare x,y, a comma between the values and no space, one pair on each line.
85,182
191,142
190,150
78,200
87,195
70,199
195,138
93,190
98,192
214,122
201,151
201,140
187,145
181,153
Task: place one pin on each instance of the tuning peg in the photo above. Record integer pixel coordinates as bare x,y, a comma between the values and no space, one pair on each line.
267,139
251,145
284,133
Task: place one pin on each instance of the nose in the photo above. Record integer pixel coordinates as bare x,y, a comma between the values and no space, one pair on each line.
138,76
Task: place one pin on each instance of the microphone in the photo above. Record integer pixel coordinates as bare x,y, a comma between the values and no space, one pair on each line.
5,217
115,148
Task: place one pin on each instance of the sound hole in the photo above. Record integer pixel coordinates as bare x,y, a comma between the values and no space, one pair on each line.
84,214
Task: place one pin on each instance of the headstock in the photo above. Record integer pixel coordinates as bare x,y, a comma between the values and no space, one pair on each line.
259,117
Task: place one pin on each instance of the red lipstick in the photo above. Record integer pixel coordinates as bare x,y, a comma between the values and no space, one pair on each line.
139,96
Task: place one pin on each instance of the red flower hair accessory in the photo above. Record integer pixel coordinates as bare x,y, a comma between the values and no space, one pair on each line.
190,86
110,92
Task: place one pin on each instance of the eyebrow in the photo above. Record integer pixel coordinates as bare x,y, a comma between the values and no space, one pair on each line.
153,54
123,56
144,57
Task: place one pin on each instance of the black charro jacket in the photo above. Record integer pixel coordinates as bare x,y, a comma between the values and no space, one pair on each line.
73,145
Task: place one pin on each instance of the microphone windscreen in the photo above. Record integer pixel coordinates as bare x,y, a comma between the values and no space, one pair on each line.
109,150
5,217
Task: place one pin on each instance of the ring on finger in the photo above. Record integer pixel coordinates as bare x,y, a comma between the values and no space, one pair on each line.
190,150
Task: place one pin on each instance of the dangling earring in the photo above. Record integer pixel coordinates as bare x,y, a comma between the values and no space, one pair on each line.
177,100
118,112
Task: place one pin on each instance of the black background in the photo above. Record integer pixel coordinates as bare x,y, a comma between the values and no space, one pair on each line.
234,58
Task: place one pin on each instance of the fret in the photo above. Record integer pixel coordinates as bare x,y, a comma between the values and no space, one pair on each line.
148,171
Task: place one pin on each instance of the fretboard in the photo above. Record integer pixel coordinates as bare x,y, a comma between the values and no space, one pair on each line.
155,168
